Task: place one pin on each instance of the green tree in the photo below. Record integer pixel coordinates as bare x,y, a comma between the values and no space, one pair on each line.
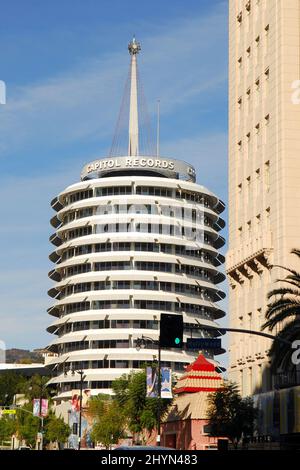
141,412
35,387
109,420
27,424
10,384
56,430
7,428
230,415
283,312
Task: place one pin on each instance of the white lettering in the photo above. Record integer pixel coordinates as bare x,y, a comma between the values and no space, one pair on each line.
296,354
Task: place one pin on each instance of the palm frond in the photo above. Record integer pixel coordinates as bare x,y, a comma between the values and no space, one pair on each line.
280,315
291,271
295,251
281,353
277,306
288,281
284,291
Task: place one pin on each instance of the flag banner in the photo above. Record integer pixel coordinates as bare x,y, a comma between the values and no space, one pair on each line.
166,382
75,400
86,395
151,382
44,410
36,407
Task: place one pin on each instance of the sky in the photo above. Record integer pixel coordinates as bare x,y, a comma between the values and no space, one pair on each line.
65,64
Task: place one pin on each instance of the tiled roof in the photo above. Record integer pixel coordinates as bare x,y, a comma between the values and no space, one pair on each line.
188,406
200,376
192,390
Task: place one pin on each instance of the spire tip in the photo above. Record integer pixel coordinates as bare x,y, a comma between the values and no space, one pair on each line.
134,47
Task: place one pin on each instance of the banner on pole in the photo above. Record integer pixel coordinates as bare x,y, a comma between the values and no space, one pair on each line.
166,382
40,407
36,407
151,382
44,407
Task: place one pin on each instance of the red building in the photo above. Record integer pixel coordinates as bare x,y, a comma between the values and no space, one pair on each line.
185,427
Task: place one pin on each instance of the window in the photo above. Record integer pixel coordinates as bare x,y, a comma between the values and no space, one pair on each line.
248,50
267,119
267,175
240,102
267,72
239,17
113,191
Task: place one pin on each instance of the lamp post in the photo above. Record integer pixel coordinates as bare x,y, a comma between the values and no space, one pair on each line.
141,343
82,379
42,388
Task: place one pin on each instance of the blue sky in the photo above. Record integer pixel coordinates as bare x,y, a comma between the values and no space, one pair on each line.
65,63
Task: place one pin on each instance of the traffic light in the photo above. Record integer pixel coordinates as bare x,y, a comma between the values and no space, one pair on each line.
171,331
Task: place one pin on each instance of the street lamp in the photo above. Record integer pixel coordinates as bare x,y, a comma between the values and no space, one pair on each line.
82,375
42,387
141,343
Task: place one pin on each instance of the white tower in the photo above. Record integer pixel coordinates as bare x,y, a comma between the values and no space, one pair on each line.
133,145
136,237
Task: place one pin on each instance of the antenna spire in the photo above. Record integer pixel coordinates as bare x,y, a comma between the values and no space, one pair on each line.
134,48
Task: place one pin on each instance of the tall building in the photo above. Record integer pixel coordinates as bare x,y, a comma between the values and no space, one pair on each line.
264,170
136,237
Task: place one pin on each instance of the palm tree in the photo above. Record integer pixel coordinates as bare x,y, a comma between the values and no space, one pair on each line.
284,311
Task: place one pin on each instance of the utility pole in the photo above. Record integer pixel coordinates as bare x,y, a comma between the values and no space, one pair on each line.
158,394
141,343
82,377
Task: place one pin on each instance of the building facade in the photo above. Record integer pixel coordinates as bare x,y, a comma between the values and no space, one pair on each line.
264,171
185,426
136,237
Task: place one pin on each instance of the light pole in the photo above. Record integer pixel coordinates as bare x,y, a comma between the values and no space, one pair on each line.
82,379
141,343
42,388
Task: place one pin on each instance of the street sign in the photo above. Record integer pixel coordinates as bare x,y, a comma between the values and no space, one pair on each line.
8,412
203,343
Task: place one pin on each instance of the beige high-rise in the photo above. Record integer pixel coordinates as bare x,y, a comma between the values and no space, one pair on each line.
264,170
